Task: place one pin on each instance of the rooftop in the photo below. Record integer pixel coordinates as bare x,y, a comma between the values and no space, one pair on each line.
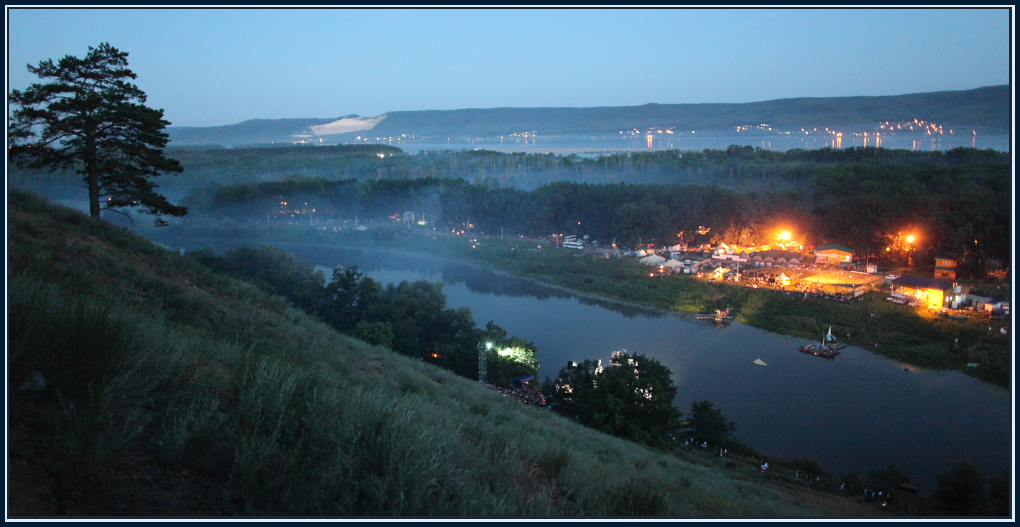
834,246
919,282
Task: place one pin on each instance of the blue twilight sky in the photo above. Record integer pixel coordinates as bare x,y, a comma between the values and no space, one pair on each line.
208,67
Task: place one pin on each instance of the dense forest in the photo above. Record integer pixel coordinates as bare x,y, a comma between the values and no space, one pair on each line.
956,203
738,167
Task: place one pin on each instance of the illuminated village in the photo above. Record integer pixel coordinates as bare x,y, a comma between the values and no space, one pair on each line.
826,270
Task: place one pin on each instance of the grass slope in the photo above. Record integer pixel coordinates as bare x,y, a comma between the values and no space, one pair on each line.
173,391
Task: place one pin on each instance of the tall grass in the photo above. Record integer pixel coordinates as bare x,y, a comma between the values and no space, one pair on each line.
175,391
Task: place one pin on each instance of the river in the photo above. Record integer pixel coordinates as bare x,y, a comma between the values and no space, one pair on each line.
592,144
857,413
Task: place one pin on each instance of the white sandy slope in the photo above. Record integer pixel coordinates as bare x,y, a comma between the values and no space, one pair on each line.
347,124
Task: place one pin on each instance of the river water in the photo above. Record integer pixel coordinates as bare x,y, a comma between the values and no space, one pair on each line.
719,140
857,413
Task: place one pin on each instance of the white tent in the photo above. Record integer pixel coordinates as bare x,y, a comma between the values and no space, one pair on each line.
673,264
653,260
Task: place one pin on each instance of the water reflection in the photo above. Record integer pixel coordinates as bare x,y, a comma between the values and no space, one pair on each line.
857,413
477,280
715,140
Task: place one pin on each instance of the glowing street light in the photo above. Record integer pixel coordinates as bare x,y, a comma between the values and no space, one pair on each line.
482,366
910,238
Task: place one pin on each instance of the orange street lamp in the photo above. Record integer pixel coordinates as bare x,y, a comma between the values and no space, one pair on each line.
910,238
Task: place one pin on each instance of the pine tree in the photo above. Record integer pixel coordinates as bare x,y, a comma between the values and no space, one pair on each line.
91,118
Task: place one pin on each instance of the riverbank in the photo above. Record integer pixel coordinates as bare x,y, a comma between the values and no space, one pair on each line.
906,335
199,395
855,414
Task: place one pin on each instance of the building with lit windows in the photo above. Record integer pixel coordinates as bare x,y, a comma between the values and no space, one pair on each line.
833,254
945,268
929,292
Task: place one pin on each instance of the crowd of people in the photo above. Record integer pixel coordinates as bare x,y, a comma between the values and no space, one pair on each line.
524,394
719,451
887,499
846,298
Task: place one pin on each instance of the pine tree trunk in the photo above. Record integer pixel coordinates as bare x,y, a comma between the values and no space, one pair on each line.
90,169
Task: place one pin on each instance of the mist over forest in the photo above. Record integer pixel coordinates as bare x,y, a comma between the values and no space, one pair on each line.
861,197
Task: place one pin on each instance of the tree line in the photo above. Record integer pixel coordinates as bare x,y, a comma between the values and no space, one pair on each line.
410,318
742,167
739,167
957,211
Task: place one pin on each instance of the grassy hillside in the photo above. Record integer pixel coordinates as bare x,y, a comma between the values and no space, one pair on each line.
140,383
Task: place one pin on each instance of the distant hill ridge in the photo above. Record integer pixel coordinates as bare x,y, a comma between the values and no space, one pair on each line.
986,108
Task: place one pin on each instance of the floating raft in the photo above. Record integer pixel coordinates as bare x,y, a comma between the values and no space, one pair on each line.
708,316
827,350
718,316
760,362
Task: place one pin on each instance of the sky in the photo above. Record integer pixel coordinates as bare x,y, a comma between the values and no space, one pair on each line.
208,67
